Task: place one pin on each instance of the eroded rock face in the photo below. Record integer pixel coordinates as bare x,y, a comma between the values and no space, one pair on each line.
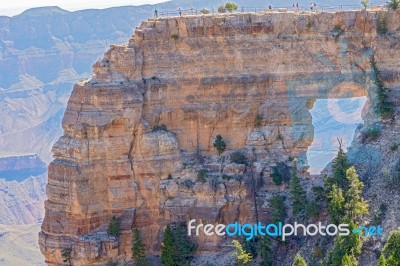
199,76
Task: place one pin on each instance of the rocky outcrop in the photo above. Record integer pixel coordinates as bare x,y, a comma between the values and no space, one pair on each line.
199,76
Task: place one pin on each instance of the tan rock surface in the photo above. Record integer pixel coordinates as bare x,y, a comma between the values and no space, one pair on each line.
213,79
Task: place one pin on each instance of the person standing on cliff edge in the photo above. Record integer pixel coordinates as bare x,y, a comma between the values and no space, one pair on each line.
180,12
156,13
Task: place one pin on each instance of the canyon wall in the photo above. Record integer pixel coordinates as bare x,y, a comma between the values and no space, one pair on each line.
200,76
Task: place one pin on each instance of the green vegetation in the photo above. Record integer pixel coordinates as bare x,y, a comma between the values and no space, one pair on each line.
344,245
227,7
219,144
391,250
381,25
205,11
379,215
383,107
337,27
243,258
280,174
176,248
226,177
239,157
355,205
277,203
349,260
258,121
159,128
213,181
364,3
175,37
339,168
382,261
169,176
138,249
66,255
395,178
336,204
266,252
201,176
299,261
370,134
114,228
313,210
298,195
393,4
188,183
394,147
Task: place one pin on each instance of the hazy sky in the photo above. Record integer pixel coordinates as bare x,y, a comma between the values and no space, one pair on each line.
11,8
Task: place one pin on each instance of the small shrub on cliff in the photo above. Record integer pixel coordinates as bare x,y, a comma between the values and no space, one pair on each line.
175,37
370,134
219,144
138,249
114,228
394,181
280,173
239,157
337,27
188,183
159,128
176,247
394,147
201,176
258,121
66,255
242,257
381,25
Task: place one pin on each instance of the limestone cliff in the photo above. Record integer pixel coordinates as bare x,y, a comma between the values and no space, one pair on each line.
200,76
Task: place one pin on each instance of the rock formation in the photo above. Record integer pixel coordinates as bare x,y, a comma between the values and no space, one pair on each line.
199,76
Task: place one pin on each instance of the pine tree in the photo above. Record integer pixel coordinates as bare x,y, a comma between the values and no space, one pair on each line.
391,250
298,195
344,245
336,204
176,248
242,257
299,261
355,205
219,144
266,252
114,228
184,246
349,260
339,168
169,254
138,249
382,261
277,204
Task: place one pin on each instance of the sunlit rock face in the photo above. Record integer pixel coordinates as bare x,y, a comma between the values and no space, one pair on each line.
199,76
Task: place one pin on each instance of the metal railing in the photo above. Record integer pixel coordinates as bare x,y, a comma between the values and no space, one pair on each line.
243,9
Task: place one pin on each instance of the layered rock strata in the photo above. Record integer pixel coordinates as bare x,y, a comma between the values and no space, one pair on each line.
200,76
